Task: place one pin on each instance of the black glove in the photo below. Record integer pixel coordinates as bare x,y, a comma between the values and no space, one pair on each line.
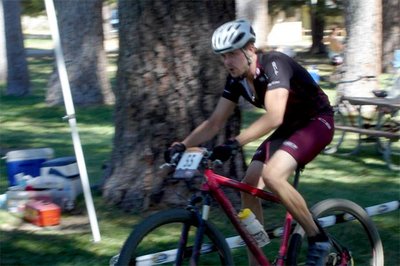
173,153
225,151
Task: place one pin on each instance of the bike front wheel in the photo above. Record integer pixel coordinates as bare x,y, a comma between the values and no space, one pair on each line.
155,241
355,239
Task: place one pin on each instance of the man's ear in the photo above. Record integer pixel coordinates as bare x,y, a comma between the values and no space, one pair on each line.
251,47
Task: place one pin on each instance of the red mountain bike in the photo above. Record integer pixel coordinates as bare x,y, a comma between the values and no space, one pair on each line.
187,237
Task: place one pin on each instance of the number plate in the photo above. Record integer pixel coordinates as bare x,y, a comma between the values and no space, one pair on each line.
188,164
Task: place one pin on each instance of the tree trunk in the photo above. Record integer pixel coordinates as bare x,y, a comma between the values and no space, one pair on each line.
3,52
82,42
317,27
363,47
255,11
391,32
18,83
168,82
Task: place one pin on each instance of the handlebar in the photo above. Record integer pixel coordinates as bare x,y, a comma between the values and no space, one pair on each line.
206,161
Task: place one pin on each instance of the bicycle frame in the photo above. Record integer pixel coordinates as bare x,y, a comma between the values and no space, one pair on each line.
213,186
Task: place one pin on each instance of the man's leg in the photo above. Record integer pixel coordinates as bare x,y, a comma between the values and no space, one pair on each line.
253,178
275,175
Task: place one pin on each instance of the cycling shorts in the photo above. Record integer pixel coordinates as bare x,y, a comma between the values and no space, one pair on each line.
303,144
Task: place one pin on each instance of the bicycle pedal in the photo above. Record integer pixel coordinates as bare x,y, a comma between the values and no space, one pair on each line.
332,259
114,260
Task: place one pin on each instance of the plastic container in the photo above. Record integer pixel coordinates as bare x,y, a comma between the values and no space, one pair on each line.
3,201
17,199
63,172
254,227
42,213
27,162
314,74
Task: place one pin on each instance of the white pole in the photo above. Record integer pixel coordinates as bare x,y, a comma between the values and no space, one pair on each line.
69,106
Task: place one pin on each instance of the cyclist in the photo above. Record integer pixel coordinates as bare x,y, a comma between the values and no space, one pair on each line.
298,114
335,47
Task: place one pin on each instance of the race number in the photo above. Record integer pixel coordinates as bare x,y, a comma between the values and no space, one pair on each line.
188,164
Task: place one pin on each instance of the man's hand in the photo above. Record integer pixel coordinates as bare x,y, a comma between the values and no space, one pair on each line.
173,153
225,151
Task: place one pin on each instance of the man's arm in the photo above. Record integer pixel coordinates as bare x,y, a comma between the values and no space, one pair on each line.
210,127
275,102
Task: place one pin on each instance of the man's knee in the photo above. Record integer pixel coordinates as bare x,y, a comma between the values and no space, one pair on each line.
251,179
253,174
272,183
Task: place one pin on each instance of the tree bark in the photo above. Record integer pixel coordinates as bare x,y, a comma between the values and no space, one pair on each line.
18,83
168,82
317,27
256,11
82,42
3,52
391,32
363,47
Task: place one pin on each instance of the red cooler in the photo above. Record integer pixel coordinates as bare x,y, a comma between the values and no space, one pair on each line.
42,213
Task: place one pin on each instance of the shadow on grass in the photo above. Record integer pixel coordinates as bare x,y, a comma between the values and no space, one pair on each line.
25,248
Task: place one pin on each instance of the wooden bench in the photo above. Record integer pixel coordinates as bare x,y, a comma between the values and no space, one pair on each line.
386,124
370,132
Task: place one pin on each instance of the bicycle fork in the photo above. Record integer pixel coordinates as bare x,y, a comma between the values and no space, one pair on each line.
280,260
201,218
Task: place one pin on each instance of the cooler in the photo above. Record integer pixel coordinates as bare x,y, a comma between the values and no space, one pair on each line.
27,162
65,172
17,199
42,213
64,167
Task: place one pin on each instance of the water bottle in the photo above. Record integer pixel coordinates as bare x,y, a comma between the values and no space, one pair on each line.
254,227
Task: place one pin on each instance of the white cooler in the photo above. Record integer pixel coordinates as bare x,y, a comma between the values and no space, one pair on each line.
61,174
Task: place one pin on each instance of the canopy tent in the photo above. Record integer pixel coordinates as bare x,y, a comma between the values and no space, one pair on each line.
70,116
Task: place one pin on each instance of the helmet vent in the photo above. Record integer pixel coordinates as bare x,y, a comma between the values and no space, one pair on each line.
232,35
238,38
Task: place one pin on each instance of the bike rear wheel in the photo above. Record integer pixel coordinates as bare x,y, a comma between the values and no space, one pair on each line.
350,227
155,240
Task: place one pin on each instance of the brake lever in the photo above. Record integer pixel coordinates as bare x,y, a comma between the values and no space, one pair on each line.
167,165
217,163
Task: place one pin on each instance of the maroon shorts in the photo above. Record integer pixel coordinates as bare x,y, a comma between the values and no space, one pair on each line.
304,144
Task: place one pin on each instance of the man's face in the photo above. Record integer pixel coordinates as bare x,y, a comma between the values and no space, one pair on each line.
235,62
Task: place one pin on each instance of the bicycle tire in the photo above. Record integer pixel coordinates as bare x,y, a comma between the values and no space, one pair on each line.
166,225
359,235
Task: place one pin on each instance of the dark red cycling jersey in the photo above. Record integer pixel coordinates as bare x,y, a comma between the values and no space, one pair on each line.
277,70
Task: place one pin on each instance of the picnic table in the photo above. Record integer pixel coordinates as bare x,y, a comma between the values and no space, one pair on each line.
382,128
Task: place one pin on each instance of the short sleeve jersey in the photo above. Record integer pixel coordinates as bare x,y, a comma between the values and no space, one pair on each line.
277,70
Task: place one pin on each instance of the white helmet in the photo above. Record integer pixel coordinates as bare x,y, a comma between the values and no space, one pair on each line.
232,35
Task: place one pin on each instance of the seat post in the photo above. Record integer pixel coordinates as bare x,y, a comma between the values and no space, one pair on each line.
297,176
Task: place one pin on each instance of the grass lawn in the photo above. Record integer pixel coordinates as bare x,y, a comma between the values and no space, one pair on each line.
28,123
